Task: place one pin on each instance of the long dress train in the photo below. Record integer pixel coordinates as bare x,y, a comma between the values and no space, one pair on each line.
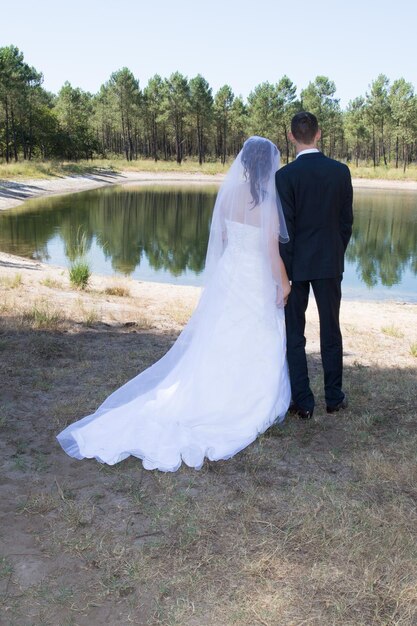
223,382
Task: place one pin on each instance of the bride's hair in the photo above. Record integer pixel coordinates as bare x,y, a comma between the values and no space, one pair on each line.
257,161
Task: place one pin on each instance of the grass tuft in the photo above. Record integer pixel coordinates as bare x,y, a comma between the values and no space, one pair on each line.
40,316
392,331
51,283
413,349
12,282
38,504
91,317
79,273
117,290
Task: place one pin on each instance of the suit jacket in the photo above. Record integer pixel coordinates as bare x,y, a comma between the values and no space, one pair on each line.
316,195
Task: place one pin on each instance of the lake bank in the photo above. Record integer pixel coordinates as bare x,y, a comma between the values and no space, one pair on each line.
14,192
29,283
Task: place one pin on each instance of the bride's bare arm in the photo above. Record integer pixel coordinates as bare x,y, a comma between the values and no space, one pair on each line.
286,285
279,272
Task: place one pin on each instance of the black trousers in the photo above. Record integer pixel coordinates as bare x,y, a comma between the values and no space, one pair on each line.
327,292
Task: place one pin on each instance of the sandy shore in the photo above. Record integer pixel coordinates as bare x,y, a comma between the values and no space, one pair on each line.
14,193
165,306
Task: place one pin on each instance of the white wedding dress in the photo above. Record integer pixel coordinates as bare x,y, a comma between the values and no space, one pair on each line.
223,382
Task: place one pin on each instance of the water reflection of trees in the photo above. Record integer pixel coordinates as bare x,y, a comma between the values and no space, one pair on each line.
169,227
384,237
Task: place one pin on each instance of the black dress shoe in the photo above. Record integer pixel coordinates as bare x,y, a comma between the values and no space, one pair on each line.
342,405
303,414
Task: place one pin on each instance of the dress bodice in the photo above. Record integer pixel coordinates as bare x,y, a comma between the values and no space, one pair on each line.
243,238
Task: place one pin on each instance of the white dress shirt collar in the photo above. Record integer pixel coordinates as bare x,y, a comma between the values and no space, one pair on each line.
307,151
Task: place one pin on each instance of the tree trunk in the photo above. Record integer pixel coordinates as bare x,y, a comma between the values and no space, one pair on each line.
6,106
14,136
154,139
373,145
200,142
405,155
224,142
287,146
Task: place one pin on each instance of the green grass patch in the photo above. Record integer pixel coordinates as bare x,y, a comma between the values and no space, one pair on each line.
79,273
413,349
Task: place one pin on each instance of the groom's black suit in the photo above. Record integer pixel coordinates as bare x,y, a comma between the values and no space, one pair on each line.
316,195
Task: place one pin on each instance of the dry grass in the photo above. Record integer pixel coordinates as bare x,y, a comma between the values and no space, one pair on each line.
382,172
314,524
42,315
117,290
51,283
179,312
53,169
392,331
11,282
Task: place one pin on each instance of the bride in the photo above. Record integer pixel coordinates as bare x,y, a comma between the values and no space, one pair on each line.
225,379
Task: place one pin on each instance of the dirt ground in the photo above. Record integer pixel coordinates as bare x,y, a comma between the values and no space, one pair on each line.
313,524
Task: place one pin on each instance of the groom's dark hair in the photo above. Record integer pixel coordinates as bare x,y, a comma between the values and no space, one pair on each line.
304,127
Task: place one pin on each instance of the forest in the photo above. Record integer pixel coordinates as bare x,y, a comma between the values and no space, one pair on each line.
178,118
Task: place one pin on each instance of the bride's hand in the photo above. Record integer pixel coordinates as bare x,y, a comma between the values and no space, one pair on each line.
282,294
286,292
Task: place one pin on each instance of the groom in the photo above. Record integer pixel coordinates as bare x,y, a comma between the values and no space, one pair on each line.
316,195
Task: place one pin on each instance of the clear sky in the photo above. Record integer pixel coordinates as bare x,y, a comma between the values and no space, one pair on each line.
242,43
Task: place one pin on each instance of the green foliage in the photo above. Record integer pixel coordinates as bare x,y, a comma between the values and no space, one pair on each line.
319,98
177,119
201,112
176,108
223,102
73,109
152,111
377,112
125,96
270,109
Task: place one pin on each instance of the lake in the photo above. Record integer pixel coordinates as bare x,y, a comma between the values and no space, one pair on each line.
159,233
